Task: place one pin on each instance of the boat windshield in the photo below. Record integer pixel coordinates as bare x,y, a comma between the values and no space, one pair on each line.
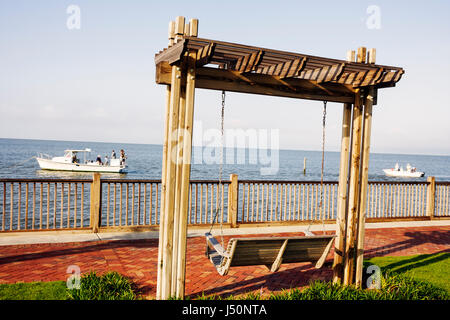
73,153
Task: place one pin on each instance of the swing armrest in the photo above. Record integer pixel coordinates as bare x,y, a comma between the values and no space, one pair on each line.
216,245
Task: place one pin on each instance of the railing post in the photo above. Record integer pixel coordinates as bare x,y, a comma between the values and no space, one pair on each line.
233,200
95,209
431,194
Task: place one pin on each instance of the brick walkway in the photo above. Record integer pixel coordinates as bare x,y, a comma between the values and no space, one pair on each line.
137,259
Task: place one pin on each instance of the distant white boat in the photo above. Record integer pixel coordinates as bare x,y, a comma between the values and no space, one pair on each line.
70,162
410,172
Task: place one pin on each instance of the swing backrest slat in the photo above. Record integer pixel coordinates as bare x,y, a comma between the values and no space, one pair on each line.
269,251
264,250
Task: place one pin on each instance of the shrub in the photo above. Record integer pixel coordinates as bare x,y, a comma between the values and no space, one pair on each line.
393,287
396,286
109,286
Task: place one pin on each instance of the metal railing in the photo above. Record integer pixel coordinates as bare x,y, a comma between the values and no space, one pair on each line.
442,199
263,201
64,204
396,199
42,204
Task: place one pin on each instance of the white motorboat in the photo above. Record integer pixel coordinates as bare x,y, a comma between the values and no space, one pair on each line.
410,172
70,162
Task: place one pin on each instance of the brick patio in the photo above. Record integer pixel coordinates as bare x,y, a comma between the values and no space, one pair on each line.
137,259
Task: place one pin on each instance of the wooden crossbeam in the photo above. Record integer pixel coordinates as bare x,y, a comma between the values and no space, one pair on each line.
392,76
371,77
287,69
362,76
205,54
249,62
324,74
231,80
172,54
378,76
352,77
246,59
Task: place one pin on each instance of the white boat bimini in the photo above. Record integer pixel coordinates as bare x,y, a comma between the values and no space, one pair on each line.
410,172
70,162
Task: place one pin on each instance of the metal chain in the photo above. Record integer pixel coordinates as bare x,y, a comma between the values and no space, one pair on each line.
222,120
219,208
324,117
222,117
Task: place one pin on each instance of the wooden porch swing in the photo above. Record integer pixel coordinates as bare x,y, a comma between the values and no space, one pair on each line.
190,63
269,251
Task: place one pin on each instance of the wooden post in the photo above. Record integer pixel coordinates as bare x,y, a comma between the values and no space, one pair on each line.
353,193
193,24
179,168
354,183
339,244
233,200
361,55
364,180
171,33
431,196
181,184
95,208
371,56
179,28
164,172
166,272
351,55
187,152
368,104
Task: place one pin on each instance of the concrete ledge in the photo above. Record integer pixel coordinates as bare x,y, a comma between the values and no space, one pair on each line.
40,237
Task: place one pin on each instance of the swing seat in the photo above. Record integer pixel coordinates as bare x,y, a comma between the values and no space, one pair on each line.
268,251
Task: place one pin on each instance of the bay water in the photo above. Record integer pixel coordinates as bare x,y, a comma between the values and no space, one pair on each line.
17,160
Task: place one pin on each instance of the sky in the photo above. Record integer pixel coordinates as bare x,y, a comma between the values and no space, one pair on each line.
97,83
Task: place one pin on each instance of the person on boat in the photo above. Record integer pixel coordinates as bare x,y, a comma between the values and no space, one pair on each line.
106,160
99,160
122,157
74,158
396,167
113,154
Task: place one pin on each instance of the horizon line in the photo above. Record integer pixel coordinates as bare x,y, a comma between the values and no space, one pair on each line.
283,149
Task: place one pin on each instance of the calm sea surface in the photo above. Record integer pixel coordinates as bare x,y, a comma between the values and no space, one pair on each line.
144,160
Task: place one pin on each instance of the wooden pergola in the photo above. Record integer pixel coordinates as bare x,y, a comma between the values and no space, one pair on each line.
190,62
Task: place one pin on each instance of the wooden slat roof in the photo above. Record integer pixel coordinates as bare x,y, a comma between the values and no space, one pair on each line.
250,59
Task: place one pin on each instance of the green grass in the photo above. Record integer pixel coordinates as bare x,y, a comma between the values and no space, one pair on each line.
109,286
393,287
408,278
432,268
34,291
418,277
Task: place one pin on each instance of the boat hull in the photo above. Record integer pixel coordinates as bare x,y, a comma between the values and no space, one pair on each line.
47,164
403,174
